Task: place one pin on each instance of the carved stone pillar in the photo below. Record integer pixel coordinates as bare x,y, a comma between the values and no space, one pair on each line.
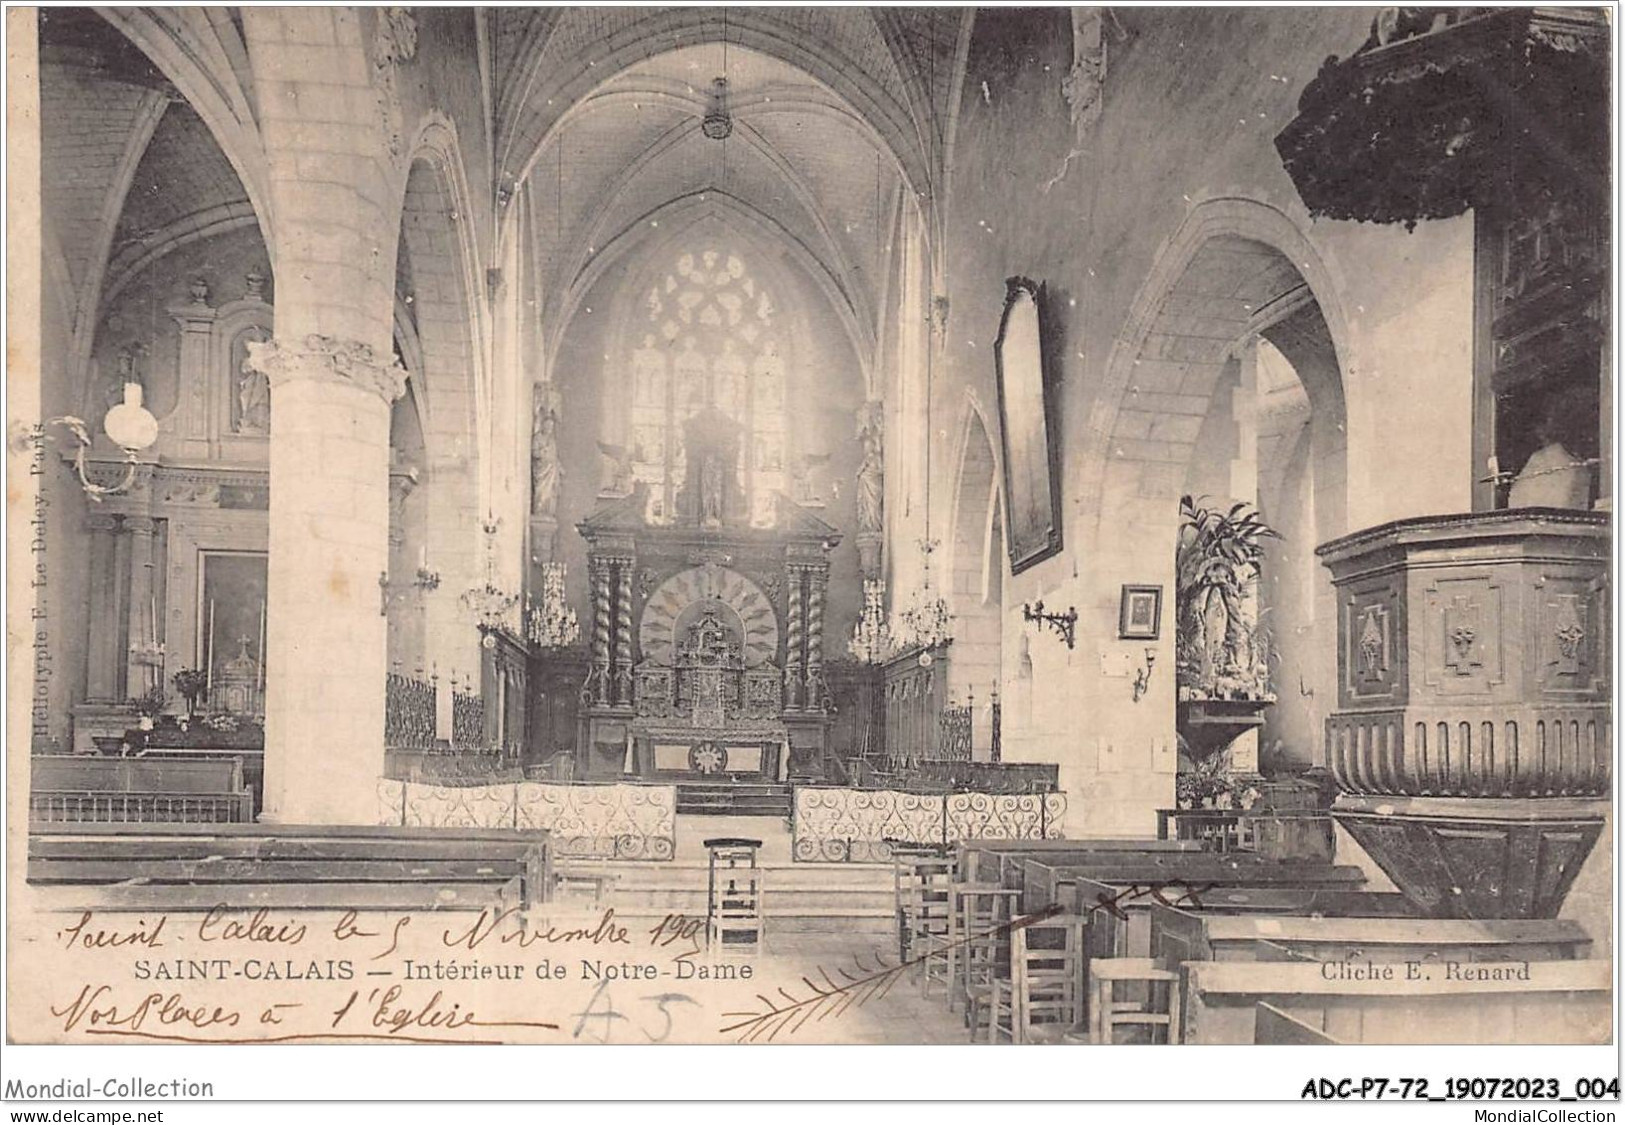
196,322
329,542
144,668
102,670
795,638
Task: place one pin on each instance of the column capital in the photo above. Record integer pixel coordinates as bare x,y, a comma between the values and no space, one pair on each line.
326,358
140,525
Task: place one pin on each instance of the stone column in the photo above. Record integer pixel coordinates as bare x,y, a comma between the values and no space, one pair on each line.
329,542
101,678
794,638
144,630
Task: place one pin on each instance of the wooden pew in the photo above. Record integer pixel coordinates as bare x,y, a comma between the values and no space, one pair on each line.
1042,881
1181,934
980,861
1275,1028
1533,1002
72,789
184,867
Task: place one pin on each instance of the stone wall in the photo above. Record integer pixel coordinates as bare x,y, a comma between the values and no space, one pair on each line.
1182,152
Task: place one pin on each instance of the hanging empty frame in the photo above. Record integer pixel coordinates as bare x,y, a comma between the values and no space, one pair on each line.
1027,435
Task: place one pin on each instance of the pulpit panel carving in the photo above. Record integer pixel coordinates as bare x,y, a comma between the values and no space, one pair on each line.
1567,637
1463,650
1374,642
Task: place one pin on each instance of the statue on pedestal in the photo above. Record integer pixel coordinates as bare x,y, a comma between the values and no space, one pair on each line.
871,471
545,472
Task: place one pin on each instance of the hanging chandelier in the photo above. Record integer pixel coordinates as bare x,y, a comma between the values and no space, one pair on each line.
551,623
872,642
492,606
925,622
718,123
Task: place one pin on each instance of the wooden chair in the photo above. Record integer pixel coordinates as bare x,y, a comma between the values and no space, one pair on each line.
733,919
976,945
583,884
921,883
1107,1012
1042,999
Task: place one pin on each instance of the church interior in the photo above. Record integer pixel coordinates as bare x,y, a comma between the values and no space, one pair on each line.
959,467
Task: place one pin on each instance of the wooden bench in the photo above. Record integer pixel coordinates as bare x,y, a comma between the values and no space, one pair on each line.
1043,882
74,789
1275,1028
1183,934
184,867
1557,1002
980,861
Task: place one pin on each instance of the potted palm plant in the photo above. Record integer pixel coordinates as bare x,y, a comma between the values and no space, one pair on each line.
1222,648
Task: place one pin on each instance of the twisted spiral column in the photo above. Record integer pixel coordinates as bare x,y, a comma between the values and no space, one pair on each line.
795,634
816,579
600,630
623,632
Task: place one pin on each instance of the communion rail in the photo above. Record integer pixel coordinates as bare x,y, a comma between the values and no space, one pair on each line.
616,820
830,824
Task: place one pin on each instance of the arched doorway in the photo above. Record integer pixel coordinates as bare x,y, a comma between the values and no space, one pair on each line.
975,582
1227,388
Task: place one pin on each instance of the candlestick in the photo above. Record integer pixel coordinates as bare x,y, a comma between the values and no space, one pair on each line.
262,644
208,682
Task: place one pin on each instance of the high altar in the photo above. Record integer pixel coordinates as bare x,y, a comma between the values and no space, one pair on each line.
707,646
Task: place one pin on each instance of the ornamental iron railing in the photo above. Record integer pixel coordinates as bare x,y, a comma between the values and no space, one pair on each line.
833,825
585,821
409,718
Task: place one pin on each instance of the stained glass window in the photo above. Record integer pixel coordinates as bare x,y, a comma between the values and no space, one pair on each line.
708,336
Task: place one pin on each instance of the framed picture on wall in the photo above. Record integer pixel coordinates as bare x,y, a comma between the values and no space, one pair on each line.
1139,613
1032,499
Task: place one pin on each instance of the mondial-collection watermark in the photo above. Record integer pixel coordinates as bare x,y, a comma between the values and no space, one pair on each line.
134,1088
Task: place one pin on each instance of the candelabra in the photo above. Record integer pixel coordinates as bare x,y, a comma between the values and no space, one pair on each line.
551,623
872,641
490,604
926,621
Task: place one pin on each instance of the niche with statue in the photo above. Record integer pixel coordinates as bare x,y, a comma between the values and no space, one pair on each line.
1223,651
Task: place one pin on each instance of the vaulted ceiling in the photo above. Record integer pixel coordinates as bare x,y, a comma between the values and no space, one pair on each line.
838,117
842,118
798,164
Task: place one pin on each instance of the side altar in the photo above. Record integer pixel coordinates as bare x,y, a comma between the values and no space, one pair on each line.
706,660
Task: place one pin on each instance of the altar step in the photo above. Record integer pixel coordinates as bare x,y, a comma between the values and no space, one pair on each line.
796,897
733,798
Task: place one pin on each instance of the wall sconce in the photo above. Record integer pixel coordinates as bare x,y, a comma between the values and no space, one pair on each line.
1142,677
128,424
1064,624
423,582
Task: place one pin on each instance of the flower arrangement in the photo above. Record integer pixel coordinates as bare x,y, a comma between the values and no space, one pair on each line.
191,684
1222,649
1207,783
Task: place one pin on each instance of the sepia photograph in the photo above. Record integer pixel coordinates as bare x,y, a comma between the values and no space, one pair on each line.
789,525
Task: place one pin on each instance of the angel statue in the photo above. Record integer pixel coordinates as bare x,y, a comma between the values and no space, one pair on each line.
617,469
802,468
